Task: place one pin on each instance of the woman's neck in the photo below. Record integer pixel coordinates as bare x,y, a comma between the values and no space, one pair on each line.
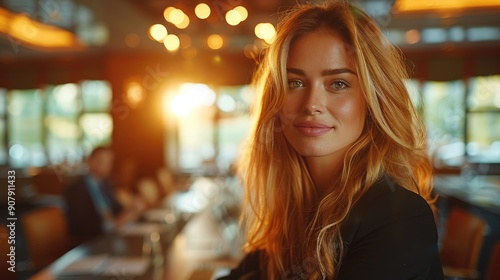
323,171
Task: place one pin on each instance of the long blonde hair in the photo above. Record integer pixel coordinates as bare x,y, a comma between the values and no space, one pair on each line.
284,215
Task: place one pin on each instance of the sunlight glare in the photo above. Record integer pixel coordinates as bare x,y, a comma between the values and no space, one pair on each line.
190,97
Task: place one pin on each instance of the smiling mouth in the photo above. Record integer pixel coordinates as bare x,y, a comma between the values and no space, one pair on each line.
313,130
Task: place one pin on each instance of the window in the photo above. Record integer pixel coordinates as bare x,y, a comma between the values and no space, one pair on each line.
62,131
208,125
462,119
55,124
3,139
25,128
95,121
483,121
443,114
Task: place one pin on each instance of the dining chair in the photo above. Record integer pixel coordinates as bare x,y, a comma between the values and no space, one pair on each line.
493,269
4,258
47,236
461,244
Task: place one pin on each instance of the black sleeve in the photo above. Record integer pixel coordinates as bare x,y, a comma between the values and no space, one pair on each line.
83,219
248,268
394,236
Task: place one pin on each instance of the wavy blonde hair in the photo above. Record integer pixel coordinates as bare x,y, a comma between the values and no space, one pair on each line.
284,214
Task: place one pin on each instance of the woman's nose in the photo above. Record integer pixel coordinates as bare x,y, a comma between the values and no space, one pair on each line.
314,103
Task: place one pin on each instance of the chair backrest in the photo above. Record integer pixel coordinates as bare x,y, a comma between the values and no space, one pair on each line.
493,271
462,240
48,182
46,234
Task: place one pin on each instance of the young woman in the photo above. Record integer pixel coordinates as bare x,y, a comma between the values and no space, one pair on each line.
337,179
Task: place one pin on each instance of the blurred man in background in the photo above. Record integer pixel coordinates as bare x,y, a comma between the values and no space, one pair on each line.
92,206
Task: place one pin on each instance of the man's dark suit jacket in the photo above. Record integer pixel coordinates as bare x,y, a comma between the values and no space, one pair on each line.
390,234
84,219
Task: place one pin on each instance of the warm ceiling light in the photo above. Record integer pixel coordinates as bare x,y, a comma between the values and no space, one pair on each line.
184,23
233,17
158,32
443,5
23,30
265,31
166,13
176,16
242,11
202,11
215,41
171,42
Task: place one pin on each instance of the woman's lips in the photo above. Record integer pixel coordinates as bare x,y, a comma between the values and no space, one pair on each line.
312,128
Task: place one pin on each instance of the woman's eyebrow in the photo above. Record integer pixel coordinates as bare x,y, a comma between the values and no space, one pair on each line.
296,71
329,72
326,72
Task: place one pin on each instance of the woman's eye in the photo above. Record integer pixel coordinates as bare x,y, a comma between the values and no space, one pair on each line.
339,85
295,84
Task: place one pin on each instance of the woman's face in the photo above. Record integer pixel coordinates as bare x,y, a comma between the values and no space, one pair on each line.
324,110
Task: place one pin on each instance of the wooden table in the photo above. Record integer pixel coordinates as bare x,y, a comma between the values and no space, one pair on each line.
481,191
192,246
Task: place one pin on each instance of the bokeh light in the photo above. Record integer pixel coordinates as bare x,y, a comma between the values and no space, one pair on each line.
233,17
184,23
265,31
215,41
166,13
158,32
202,11
242,11
176,16
171,42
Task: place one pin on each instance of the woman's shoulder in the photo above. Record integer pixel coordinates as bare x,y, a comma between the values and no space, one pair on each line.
394,230
384,203
387,195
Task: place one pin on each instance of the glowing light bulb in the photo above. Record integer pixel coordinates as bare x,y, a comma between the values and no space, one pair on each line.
158,32
202,11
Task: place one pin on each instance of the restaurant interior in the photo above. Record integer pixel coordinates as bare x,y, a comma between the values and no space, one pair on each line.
166,85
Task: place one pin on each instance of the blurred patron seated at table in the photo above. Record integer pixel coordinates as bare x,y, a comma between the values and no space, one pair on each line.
92,205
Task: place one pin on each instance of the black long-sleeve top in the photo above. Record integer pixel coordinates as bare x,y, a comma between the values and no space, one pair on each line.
390,234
